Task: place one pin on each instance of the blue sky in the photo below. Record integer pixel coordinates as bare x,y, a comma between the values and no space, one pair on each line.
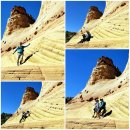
32,7
80,63
76,12
12,93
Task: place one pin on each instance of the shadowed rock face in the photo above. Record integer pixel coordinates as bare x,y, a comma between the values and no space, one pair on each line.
104,69
29,94
18,19
93,13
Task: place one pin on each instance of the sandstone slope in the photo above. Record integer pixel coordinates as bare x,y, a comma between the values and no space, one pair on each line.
47,110
113,91
44,58
109,31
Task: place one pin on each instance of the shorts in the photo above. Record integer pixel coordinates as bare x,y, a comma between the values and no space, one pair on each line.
96,109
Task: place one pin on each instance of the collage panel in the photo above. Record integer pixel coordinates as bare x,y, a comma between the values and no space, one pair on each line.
97,93
97,24
32,45
32,105
65,64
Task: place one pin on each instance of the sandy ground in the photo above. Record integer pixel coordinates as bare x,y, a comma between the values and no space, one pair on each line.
37,124
73,124
115,43
33,73
87,123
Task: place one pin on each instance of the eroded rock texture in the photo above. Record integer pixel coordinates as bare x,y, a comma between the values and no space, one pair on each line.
29,95
19,18
104,69
93,13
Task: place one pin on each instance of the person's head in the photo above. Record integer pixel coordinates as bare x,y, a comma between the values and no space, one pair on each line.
20,44
27,111
101,99
96,100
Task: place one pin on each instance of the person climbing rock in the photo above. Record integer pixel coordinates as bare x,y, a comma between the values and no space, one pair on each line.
102,106
96,109
24,116
28,113
20,51
86,37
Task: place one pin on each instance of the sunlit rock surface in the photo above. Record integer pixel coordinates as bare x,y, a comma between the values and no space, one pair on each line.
110,31
44,58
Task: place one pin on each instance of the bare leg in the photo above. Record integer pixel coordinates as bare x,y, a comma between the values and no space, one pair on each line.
93,115
98,115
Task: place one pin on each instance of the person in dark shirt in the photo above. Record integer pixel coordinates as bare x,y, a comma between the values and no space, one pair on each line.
102,106
86,37
24,116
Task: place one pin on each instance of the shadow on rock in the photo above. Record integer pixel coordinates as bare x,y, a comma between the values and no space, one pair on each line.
108,113
28,57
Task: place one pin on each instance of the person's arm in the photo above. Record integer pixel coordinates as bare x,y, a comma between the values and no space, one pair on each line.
101,104
26,45
15,50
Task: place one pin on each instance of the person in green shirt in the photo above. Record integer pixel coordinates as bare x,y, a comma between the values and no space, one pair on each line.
20,52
